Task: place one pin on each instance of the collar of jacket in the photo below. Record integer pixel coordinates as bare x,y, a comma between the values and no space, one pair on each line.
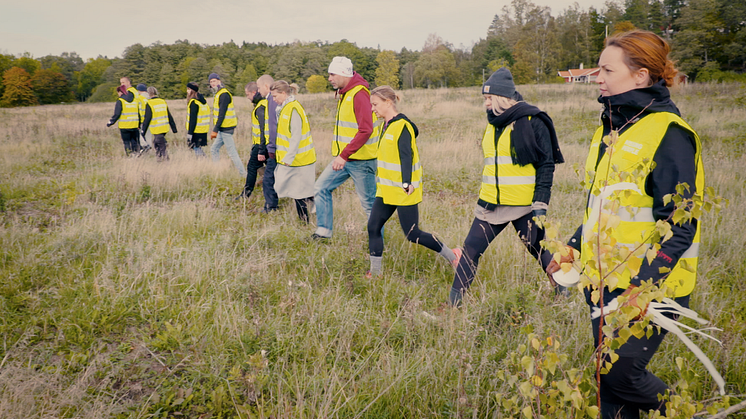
627,108
404,117
257,98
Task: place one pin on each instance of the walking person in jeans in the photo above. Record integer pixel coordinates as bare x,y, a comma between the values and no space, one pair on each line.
354,146
224,123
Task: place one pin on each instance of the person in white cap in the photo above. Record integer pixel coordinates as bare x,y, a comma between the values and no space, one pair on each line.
354,145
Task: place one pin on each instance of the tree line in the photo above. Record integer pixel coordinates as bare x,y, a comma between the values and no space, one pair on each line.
707,37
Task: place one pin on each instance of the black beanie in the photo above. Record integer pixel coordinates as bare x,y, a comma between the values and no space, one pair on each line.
500,83
193,86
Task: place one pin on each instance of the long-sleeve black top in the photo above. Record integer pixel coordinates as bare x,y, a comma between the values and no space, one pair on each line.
260,115
225,100
128,97
149,117
406,154
193,111
674,164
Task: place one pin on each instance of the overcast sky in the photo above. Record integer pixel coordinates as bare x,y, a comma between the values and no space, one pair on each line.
104,27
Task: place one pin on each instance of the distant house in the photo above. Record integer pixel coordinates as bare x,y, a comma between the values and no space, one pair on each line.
580,75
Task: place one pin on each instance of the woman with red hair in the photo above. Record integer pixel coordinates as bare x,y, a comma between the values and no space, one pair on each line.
649,133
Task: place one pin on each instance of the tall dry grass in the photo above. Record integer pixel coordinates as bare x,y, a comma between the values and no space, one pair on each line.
131,288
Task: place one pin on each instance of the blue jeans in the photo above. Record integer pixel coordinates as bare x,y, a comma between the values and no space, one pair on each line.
268,185
227,139
362,172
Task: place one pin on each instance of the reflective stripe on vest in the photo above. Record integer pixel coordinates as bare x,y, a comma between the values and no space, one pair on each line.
388,174
306,153
503,182
636,147
130,117
346,127
203,117
159,121
256,132
230,119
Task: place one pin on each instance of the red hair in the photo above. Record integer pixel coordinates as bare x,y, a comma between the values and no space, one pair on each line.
644,49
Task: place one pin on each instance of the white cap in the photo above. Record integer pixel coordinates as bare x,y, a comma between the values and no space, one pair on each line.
341,66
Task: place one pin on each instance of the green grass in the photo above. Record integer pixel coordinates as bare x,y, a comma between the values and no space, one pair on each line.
130,288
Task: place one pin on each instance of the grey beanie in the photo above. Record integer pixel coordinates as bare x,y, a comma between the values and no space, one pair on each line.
213,76
500,83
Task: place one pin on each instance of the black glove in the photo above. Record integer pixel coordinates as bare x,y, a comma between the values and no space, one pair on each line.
108,124
539,212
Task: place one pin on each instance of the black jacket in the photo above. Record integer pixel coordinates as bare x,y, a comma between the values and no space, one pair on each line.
260,114
149,117
193,110
225,100
532,141
674,164
128,97
406,154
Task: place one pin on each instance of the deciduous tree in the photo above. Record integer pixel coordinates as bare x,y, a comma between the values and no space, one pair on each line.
50,86
18,91
387,72
317,84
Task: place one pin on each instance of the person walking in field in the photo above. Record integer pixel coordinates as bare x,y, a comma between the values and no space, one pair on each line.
157,119
259,137
354,145
142,98
224,123
271,201
399,182
520,150
198,119
128,118
635,73
296,154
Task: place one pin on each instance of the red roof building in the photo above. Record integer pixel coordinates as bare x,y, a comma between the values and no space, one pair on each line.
580,75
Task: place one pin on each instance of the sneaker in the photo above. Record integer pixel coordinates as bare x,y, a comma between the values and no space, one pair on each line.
369,275
316,237
241,196
267,210
458,252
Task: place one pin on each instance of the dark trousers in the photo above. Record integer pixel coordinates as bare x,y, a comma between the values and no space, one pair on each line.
160,144
301,206
409,218
629,387
131,140
481,235
271,201
252,167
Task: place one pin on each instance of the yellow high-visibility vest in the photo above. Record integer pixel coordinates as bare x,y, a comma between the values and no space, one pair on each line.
503,182
346,127
203,117
388,174
159,121
636,145
256,133
306,153
130,117
230,119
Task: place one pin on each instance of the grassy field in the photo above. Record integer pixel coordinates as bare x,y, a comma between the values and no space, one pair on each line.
131,288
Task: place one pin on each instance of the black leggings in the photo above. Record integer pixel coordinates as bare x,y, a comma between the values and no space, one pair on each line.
408,218
481,235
